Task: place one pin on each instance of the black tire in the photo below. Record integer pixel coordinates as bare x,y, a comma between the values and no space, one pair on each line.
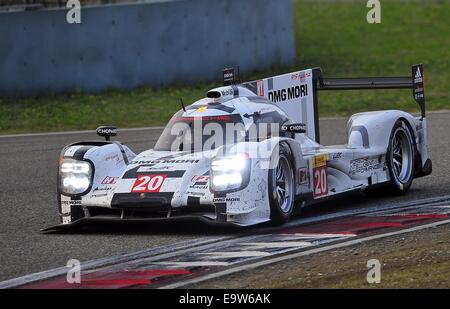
400,158
281,187
397,185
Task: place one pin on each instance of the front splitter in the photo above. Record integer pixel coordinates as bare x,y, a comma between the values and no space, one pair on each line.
98,220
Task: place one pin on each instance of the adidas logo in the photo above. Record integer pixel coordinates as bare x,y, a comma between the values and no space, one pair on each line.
418,77
418,74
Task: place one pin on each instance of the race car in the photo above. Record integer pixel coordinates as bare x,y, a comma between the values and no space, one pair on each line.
248,153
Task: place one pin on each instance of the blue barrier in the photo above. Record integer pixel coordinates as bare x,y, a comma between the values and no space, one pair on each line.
125,46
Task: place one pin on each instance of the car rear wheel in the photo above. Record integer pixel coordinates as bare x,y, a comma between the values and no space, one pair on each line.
281,187
400,158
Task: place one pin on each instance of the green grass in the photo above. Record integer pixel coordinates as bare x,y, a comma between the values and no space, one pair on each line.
337,38
331,34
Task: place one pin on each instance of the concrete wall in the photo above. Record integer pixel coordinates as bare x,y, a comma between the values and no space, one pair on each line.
126,46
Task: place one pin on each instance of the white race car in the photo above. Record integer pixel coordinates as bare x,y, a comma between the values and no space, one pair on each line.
247,153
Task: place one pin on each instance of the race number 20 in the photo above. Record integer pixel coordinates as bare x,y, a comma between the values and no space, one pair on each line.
320,176
148,183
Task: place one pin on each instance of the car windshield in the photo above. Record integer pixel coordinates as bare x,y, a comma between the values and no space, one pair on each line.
200,133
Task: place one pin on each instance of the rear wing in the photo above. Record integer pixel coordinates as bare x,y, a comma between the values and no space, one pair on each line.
415,82
297,92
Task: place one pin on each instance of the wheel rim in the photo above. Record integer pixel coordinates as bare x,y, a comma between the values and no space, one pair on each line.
283,185
401,156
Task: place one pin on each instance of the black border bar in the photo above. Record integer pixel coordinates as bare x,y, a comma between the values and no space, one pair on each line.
365,83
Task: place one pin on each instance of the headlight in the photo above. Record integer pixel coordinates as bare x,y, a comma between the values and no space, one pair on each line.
75,176
232,163
230,173
226,180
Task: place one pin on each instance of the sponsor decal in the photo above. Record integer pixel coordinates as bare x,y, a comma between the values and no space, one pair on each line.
320,160
260,87
337,155
205,118
295,128
202,178
112,157
102,189
226,199
303,175
164,161
285,94
418,85
144,169
199,186
71,202
364,165
99,195
301,76
320,182
196,193
71,151
226,92
107,130
418,77
109,180
201,109
418,94
229,76
148,183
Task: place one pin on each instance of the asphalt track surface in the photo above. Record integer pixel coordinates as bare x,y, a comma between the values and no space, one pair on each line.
28,200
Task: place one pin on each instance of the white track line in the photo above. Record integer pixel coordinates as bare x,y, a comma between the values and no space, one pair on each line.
77,132
193,264
277,244
217,255
366,211
299,254
149,128
170,250
315,236
113,260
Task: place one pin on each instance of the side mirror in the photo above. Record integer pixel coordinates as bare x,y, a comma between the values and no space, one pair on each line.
107,132
294,128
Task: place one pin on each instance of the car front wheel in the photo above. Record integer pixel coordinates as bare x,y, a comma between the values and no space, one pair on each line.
281,187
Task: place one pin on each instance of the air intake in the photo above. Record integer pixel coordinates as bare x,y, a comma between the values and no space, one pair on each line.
213,94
